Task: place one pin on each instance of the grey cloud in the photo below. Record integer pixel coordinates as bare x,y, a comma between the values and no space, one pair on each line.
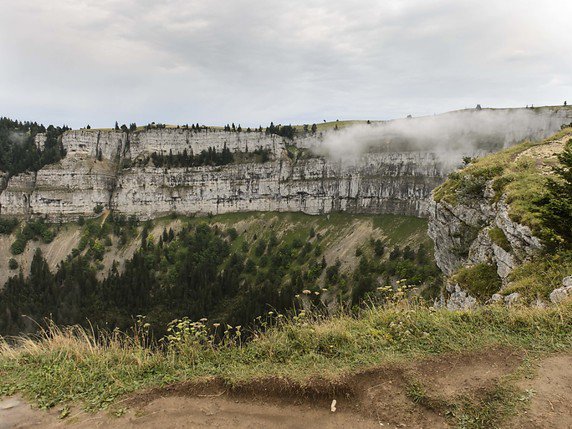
254,61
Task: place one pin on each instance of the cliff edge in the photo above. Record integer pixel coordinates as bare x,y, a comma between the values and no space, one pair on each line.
488,222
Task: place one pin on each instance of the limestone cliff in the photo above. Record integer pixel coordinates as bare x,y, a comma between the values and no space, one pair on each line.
484,214
104,168
112,169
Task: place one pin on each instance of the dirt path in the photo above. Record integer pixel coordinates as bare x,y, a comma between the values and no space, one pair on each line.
551,390
191,412
376,398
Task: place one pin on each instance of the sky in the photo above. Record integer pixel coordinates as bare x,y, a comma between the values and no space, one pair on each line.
214,62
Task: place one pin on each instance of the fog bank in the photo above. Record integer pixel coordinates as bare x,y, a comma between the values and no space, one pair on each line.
450,135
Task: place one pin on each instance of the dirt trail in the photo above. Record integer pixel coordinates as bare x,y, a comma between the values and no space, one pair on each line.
372,399
192,412
551,390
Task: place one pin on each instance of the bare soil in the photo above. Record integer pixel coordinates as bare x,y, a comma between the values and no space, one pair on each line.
375,398
551,391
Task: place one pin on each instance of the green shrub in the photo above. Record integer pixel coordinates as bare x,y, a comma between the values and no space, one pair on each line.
232,233
48,235
498,237
378,248
556,207
18,246
98,250
7,225
481,280
12,264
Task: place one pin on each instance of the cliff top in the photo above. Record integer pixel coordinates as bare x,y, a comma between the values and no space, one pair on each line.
330,125
520,173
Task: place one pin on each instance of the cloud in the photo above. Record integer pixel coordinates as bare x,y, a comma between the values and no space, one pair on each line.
451,136
254,61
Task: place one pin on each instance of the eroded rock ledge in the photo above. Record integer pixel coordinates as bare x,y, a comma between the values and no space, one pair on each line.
101,169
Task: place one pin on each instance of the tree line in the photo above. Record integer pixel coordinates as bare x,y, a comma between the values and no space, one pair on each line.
18,151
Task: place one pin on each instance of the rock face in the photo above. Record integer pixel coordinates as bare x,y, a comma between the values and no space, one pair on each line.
103,168
459,299
462,236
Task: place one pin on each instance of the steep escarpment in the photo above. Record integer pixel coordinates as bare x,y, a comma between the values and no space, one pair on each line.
111,169
382,183
383,168
488,222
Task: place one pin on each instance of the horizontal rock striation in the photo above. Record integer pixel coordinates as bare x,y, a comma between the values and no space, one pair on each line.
96,172
111,169
381,183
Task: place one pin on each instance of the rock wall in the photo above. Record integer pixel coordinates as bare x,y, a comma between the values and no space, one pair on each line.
176,140
462,236
382,183
82,144
110,168
94,173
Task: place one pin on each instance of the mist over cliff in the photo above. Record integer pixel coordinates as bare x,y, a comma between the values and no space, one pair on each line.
448,135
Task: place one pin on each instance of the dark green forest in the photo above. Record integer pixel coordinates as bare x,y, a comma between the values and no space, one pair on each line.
18,151
196,273
206,157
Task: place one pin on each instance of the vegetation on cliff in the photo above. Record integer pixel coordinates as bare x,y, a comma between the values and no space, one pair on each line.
534,179
536,185
18,151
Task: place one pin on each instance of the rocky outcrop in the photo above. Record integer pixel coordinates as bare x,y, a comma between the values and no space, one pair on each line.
464,235
458,299
562,293
111,169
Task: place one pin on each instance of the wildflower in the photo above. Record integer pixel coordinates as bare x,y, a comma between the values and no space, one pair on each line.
216,325
306,292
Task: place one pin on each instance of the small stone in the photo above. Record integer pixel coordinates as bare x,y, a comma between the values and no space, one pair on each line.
333,406
512,299
560,294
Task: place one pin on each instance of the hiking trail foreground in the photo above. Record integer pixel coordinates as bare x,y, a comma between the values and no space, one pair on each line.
381,397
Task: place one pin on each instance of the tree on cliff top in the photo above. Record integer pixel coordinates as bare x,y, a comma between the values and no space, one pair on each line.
556,206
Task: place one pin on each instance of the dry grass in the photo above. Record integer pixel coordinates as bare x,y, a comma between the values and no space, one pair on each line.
95,368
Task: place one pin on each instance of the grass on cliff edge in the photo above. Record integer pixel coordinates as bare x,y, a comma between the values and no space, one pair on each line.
521,179
71,365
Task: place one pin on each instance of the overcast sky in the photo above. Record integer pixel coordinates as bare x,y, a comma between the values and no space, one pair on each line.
295,61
